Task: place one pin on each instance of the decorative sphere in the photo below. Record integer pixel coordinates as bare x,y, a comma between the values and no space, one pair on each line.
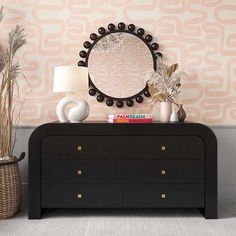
140,31
121,26
109,102
83,54
131,27
146,93
92,92
81,63
129,103
155,46
93,36
111,27
148,38
119,104
139,99
101,30
87,44
100,98
159,54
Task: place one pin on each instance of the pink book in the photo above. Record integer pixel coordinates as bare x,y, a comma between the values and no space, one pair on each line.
124,120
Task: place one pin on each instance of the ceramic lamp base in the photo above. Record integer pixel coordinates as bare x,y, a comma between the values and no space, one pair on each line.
76,114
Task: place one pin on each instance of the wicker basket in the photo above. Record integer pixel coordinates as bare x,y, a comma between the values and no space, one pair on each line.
10,187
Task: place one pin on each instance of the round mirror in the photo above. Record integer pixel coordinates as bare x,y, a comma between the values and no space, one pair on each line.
119,60
119,64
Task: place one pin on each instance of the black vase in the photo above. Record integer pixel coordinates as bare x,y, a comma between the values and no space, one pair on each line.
181,113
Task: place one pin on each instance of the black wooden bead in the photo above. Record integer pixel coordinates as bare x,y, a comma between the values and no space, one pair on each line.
111,27
109,102
158,54
129,103
92,92
131,27
100,98
87,44
155,46
148,38
119,104
139,99
146,93
81,63
140,31
83,54
121,26
93,36
101,30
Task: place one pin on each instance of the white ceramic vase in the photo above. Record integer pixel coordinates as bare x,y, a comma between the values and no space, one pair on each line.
165,111
174,116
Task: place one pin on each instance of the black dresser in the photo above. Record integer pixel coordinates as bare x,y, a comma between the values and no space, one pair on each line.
101,165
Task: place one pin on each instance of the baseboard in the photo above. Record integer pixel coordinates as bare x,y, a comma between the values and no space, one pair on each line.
227,193
24,192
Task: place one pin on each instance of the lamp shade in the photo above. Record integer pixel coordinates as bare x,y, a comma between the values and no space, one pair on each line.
70,79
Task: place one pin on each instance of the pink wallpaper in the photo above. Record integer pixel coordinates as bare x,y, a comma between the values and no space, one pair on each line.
199,34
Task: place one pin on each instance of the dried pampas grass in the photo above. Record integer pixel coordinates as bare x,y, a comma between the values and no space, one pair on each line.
164,83
9,71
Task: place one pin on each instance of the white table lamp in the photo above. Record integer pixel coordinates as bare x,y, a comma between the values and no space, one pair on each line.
70,79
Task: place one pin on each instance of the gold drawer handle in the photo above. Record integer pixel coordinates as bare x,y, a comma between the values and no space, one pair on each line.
79,195
163,195
163,148
163,172
79,148
79,172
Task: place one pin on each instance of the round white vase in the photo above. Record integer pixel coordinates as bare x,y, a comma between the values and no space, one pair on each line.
165,111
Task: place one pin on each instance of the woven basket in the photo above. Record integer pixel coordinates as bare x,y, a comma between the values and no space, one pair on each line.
10,187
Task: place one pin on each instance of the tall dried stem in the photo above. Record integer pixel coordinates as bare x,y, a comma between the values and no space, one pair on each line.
9,71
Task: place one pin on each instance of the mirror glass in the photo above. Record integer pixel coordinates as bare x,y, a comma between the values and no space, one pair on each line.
119,63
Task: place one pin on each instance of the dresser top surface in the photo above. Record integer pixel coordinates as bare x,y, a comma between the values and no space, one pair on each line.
104,128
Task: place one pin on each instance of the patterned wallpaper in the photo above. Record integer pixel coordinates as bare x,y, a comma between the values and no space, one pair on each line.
198,34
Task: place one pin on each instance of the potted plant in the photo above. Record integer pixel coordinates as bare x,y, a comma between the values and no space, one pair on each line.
164,85
10,183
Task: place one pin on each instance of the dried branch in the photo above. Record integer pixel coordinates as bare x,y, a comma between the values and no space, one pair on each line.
16,39
164,83
9,73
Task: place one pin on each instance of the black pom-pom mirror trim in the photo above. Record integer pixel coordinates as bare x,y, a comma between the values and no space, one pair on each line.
119,104
111,27
102,32
109,102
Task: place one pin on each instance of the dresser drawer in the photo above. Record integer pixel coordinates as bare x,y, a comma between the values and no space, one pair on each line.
81,171
120,147
81,147
164,171
164,147
163,195
81,195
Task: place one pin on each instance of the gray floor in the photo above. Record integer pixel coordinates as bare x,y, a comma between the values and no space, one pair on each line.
173,222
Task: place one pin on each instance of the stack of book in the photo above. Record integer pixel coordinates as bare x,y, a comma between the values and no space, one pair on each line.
130,118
